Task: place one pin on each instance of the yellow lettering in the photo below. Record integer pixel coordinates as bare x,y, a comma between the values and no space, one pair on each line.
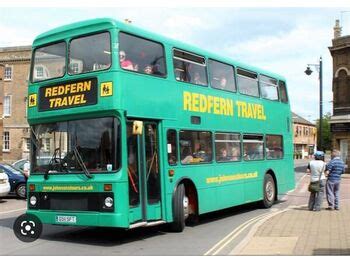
229,107
80,87
48,92
186,100
54,91
210,103
216,105
73,88
195,102
222,106
58,102
202,103
87,85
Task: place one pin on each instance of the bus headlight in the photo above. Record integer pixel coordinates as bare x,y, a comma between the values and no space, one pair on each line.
108,202
33,200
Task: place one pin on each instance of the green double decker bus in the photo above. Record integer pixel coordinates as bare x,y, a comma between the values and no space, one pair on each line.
132,129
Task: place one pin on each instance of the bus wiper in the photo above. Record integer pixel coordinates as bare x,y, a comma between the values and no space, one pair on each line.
52,161
81,162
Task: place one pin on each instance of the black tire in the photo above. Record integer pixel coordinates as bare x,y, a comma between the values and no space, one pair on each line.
178,223
269,191
21,191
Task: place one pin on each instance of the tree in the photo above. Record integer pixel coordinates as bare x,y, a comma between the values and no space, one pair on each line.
326,133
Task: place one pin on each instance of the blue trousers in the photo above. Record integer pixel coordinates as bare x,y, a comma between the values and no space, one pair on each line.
332,192
315,199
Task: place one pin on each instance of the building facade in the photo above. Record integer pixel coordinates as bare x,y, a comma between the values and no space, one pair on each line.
340,120
15,141
305,137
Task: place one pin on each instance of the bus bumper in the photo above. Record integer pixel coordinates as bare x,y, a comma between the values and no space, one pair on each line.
66,218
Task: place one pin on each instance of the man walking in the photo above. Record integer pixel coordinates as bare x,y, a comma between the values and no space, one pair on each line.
335,168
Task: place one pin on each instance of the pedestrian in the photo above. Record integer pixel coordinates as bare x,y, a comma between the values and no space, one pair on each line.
335,168
316,170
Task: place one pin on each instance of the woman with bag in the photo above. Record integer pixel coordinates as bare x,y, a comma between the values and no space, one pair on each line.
317,184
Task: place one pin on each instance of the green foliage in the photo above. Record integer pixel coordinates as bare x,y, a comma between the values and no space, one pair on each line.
326,133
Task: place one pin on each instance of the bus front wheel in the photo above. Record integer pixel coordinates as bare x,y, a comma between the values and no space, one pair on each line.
180,209
269,191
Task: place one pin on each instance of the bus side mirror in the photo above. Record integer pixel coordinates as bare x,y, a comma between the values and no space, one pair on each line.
137,128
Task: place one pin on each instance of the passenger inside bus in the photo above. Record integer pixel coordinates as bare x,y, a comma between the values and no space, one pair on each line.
223,82
186,155
148,70
223,155
124,63
235,154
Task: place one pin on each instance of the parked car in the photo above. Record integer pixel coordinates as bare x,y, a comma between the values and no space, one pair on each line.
20,164
4,184
18,181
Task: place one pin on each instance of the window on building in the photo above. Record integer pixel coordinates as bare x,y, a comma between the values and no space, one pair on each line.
253,147
195,147
227,147
247,83
8,73
7,106
190,68
26,144
221,76
274,147
172,147
268,88
283,91
6,141
141,55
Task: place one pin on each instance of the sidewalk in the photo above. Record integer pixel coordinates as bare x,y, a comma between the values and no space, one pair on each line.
298,231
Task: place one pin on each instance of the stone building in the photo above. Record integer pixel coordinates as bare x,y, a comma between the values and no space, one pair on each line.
15,62
340,120
305,137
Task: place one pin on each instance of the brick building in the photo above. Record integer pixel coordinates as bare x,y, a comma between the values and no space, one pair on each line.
15,62
340,120
305,137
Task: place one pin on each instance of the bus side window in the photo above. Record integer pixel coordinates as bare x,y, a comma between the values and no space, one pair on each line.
247,83
253,147
172,147
274,147
283,91
227,147
141,55
190,68
268,88
196,147
221,76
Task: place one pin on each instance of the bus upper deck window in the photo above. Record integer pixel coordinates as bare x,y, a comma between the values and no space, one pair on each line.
141,55
190,68
90,53
49,62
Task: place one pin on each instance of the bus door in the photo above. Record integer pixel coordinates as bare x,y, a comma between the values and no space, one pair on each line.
144,172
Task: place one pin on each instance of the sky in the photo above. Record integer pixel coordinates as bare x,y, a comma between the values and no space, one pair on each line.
282,40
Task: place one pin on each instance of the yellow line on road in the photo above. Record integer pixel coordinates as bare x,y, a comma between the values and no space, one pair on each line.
222,243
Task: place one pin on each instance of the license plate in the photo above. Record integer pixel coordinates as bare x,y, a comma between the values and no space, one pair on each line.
66,219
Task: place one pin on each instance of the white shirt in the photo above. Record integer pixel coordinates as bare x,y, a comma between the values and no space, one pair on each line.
316,167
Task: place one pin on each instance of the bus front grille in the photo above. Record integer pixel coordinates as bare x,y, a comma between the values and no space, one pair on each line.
71,201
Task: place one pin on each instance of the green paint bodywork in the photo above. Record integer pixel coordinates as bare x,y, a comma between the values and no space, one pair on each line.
139,96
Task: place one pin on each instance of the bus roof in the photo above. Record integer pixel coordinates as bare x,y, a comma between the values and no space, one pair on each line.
92,25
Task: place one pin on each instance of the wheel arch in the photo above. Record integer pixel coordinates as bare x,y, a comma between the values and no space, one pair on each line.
272,173
191,192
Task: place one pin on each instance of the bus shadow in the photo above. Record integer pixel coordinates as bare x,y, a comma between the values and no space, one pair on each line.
100,236
109,237
226,213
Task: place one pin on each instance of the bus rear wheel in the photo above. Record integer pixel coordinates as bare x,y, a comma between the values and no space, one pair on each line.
269,191
180,209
